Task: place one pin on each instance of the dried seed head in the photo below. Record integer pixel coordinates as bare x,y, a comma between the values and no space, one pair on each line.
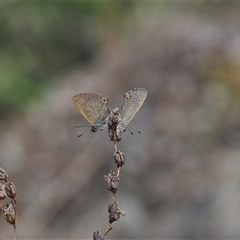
3,174
115,124
119,158
3,193
114,212
9,213
111,181
11,190
97,236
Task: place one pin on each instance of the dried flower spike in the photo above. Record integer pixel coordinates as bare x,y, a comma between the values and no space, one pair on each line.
3,193
11,190
111,181
114,212
97,236
3,174
9,213
119,158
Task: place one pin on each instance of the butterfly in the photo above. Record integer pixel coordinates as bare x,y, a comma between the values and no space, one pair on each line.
94,108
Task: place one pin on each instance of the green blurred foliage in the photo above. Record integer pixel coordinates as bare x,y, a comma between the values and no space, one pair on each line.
40,40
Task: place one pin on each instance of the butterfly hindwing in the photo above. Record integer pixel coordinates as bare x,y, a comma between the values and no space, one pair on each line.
132,101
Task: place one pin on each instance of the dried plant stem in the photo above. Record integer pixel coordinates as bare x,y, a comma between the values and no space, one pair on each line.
112,179
15,224
108,229
115,146
14,232
113,197
118,172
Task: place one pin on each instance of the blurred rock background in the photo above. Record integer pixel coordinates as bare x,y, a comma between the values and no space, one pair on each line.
182,176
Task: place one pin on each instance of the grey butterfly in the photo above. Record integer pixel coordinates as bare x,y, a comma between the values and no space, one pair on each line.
94,107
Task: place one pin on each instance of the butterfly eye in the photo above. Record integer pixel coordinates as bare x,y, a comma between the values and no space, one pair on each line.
104,99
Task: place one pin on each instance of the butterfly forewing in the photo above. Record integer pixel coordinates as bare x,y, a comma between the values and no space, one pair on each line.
92,106
132,101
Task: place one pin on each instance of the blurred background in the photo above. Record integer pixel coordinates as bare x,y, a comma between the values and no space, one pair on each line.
182,175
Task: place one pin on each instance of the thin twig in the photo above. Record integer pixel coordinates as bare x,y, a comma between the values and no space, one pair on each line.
115,146
118,172
108,229
15,224
14,232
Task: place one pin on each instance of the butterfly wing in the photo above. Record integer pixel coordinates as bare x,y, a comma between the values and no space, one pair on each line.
132,101
92,106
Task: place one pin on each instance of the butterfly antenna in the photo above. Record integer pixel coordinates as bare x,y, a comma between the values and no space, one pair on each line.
129,130
82,133
133,129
